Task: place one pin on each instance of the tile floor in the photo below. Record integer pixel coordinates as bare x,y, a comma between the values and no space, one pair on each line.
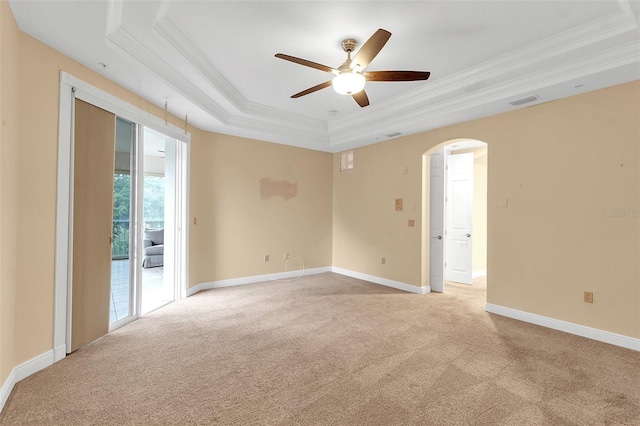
154,295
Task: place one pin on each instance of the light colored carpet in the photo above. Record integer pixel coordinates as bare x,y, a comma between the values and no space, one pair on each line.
333,350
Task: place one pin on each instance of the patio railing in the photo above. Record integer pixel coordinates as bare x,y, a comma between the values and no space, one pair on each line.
120,246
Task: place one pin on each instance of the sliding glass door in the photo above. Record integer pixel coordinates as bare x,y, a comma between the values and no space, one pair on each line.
158,190
123,275
148,202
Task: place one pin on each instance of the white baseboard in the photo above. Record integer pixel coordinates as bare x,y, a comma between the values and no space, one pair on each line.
23,371
382,281
478,274
567,327
7,387
253,279
59,353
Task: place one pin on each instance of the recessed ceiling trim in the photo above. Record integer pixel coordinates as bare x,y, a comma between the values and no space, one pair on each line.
586,34
623,55
120,39
603,49
166,29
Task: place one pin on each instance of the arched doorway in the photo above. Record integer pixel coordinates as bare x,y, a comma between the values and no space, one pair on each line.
454,218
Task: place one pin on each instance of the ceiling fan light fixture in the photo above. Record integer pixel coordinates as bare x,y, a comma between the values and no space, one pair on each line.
348,82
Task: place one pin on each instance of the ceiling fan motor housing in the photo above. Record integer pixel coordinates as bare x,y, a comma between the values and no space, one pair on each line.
349,45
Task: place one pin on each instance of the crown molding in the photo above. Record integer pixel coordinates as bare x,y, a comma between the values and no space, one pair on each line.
170,33
554,60
281,131
530,57
622,55
470,88
122,40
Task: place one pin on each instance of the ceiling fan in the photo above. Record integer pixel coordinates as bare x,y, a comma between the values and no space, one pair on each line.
350,77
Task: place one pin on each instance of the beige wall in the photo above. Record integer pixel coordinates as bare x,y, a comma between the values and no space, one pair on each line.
236,227
8,186
28,171
366,225
229,241
561,165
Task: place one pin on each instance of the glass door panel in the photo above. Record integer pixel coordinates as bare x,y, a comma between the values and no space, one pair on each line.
157,287
121,248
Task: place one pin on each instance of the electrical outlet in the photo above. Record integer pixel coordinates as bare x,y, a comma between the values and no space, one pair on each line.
266,257
588,296
384,261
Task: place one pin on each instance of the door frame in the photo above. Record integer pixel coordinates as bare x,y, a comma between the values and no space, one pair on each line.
426,206
71,88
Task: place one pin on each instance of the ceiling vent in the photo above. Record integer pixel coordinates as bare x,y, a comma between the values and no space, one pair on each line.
526,100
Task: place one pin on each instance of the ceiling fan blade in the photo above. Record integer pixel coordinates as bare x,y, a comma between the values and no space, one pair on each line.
370,49
306,63
361,98
396,75
313,89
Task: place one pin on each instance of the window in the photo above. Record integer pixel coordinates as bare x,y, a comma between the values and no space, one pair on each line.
346,161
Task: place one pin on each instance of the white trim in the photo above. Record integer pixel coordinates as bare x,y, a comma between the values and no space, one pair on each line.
33,365
123,109
23,371
63,218
568,327
230,113
478,274
120,323
59,352
186,231
253,279
7,387
382,281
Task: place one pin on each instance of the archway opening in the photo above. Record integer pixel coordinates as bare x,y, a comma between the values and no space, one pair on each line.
454,214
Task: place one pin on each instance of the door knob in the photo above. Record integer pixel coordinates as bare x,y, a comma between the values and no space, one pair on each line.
439,237
468,235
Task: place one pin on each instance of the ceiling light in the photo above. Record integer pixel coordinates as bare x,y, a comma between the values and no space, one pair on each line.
348,82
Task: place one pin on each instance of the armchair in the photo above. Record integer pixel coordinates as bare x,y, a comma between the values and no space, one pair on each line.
153,248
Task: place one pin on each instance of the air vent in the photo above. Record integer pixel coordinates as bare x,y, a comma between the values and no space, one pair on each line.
523,101
393,134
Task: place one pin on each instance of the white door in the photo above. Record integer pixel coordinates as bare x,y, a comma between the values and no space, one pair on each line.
458,217
436,222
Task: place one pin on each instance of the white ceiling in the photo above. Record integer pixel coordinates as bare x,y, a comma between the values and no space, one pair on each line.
214,60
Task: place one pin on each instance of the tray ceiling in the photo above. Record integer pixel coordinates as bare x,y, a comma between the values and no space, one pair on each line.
214,60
